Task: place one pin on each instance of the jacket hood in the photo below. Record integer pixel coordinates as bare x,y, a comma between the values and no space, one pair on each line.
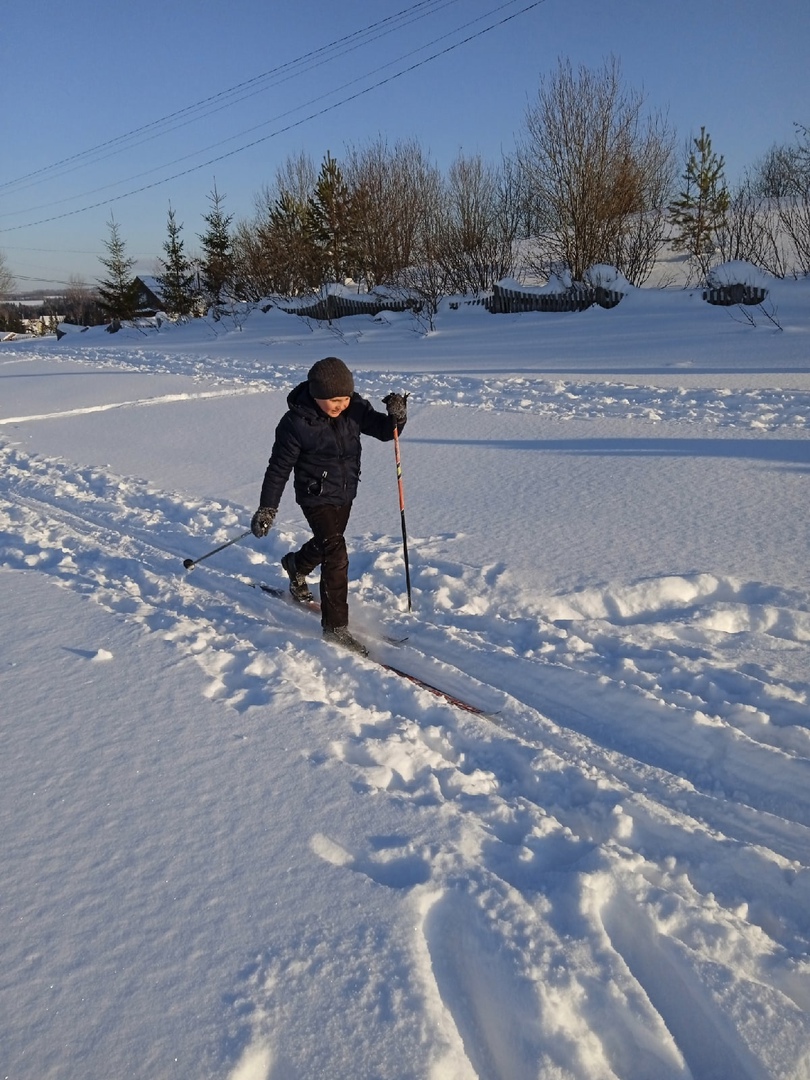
301,401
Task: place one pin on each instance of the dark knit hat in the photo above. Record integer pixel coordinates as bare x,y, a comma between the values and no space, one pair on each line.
330,378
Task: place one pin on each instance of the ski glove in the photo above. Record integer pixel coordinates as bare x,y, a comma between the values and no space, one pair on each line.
397,406
263,520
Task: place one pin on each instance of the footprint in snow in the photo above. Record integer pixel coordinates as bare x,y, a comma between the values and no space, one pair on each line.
392,868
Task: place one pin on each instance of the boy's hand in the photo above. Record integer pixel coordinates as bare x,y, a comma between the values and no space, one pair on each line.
397,406
263,520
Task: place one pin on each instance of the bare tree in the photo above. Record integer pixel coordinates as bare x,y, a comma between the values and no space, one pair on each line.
482,225
782,172
594,169
794,207
7,281
253,267
794,218
782,180
81,306
426,277
638,243
751,230
295,177
388,187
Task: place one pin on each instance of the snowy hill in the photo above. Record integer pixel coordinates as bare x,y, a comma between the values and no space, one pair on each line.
231,850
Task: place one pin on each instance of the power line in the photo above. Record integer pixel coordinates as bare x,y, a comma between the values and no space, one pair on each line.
246,131
231,138
237,94
297,123
52,251
46,281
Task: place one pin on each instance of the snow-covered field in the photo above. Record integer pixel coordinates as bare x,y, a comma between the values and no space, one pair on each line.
232,851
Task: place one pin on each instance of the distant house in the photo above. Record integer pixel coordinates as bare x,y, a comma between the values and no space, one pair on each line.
42,324
150,295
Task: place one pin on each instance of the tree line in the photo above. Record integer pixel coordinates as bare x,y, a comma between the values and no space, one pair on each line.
594,179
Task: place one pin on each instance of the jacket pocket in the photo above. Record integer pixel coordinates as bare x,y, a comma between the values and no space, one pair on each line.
315,486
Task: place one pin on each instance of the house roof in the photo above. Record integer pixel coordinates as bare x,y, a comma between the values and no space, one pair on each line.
152,284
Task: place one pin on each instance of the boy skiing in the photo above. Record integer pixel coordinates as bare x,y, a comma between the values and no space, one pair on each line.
318,441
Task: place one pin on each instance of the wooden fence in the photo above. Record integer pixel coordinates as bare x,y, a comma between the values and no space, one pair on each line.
336,307
504,301
728,295
576,298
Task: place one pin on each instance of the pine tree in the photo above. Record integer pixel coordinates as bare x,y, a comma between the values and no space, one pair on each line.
291,247
332,222
699,212
177,279
118,292
217,263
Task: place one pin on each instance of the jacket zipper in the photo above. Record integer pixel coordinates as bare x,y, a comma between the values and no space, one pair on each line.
341,454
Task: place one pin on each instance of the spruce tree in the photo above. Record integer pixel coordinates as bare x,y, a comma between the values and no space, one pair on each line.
291,246
118,292
217,262
699,212
177,279
332,222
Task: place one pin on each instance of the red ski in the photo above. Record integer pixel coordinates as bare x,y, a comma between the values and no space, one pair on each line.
452,699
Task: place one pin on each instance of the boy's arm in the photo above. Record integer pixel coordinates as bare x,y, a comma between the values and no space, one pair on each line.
285,453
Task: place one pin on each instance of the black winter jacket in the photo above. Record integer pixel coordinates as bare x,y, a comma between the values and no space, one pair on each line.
322,453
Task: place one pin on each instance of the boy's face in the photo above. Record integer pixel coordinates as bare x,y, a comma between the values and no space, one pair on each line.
333,406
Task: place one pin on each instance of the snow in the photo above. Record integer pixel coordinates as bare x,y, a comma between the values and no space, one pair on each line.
608,277
232,851
738,272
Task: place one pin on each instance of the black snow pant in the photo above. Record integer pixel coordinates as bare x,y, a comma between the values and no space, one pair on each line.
327,549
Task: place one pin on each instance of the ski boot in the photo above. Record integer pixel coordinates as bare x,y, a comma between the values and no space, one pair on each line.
299,590
340,636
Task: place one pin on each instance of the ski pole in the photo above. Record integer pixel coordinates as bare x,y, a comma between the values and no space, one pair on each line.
402,514
189,563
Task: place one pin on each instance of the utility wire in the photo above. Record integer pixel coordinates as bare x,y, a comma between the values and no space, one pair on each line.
47,281
236,94
289,127
247,131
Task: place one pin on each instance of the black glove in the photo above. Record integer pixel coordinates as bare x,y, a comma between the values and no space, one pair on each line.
397,406
263,520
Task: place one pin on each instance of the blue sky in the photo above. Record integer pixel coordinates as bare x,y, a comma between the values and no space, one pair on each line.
86,74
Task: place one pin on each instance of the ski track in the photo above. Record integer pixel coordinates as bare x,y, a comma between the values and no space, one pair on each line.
574,875
762,409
